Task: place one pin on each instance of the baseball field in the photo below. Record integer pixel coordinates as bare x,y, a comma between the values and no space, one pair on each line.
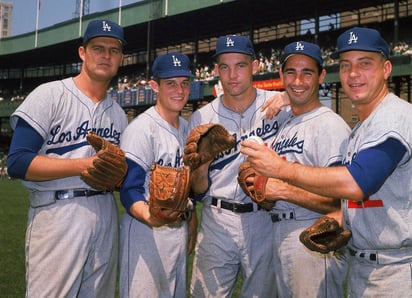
13,216
14,205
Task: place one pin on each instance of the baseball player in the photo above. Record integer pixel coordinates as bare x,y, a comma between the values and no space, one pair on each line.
235,233
72,233
153,254
375,180
313,135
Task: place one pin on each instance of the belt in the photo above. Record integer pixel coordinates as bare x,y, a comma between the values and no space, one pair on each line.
382,257
235,207
367,256
282,216
74,193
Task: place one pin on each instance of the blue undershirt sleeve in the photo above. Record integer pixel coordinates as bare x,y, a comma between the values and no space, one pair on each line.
132,189
372,166
25,144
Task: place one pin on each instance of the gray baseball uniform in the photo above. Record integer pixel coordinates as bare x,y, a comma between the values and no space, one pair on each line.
71,240
314,138
381,225
153,260
235,235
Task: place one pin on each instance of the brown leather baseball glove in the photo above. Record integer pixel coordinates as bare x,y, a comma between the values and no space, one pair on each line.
169,191
204,143
110,167
255,190
325,235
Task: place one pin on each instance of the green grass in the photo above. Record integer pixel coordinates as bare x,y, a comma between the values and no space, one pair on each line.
14,205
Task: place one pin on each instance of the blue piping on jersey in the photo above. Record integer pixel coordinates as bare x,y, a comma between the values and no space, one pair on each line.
65,149
220,165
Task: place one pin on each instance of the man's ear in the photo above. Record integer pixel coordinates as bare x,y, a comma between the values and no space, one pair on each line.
154,85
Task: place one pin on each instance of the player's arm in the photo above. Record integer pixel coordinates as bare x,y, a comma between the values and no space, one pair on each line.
199,179
25,163
333,182
277,189
364,176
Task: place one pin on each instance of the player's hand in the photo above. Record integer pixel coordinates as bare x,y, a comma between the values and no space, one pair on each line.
338,216
274,104
140,211
163,218
276,190
264,160
88,162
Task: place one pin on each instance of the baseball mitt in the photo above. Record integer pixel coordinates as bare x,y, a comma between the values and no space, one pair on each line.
169,191
255,190
204,143
325,235
109,168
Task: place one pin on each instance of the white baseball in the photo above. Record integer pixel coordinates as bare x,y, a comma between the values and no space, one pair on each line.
256,139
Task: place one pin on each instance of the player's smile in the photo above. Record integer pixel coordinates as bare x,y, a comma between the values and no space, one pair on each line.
180,98
356,85
298,91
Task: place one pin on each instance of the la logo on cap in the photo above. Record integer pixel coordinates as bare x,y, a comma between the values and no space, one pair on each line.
352,38
176,61
229,42
106,27
299,46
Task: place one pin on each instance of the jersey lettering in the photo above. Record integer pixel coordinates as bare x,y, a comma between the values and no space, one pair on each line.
66,138
177,162
59,137
289,145
264,131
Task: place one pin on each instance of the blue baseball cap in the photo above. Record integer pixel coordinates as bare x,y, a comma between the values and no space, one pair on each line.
234,44
103,28
303,48
361,39
171,65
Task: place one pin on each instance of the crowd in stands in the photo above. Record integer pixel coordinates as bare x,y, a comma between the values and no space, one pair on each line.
269,61
402,48
131,82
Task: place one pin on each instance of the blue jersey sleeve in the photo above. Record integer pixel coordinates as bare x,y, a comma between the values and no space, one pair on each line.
371,167
132,188
25,144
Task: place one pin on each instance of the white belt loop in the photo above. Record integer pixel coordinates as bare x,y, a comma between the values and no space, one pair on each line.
255,207
219,203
